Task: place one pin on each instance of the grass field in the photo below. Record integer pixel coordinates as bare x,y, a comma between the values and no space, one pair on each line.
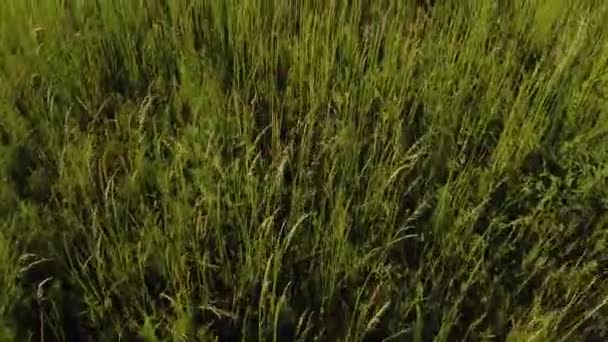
297,170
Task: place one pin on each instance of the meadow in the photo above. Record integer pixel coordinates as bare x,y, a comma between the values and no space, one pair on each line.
298,170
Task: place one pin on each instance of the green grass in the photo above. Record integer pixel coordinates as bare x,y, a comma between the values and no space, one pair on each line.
331,170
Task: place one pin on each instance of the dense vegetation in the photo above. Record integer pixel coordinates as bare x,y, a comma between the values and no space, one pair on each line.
286,170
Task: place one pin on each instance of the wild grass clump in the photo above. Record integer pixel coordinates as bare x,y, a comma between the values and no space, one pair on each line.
303,170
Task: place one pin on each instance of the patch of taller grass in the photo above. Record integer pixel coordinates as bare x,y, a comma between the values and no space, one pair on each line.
301,170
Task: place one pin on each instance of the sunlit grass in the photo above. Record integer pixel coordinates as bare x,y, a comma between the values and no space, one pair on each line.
295,170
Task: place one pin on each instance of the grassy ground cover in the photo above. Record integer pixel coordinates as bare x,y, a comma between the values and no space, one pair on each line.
296,170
